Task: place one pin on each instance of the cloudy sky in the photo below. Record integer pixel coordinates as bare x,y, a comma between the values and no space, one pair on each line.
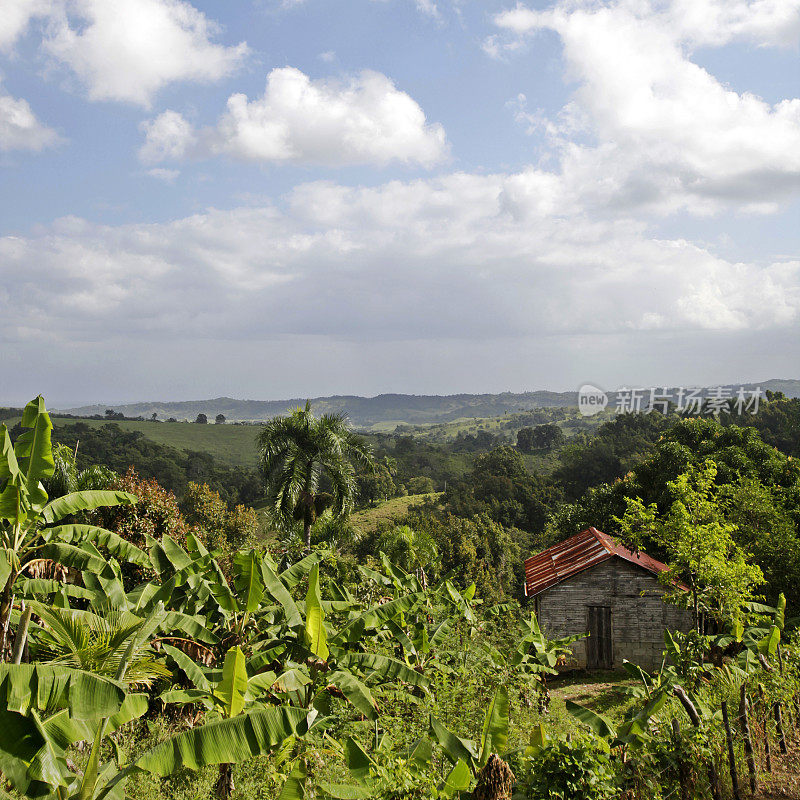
275,198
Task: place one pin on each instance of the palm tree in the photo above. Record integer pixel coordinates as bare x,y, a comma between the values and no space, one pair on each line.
299,455
412,550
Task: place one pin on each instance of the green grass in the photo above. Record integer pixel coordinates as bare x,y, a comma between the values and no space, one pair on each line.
369,519
229,444
443,432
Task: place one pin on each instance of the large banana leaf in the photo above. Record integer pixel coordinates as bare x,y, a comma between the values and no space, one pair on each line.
192,626
11,498
248,581
231,690
228,741
356,692
454,747
219,587
315,634
495,725
278,591
193,671
779,619
133,707
597,722
769,644
49,687
357,759
34,451
32,750
293,575
118,547
374,618
382,668
71,556
458,779
43,587
81,501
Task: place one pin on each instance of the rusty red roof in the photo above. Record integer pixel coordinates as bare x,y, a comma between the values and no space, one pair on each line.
581,551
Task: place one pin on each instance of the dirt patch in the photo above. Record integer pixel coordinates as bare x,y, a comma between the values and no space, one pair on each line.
784,780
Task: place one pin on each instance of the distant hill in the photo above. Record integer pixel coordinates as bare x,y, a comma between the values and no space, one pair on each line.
383,411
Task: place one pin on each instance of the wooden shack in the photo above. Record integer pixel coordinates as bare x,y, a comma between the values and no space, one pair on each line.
591,584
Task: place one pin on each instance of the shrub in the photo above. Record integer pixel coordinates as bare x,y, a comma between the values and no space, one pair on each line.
567,770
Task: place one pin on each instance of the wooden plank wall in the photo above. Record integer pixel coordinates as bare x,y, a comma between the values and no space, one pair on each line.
637,620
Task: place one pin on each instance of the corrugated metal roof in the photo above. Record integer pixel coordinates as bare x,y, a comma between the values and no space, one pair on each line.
579,552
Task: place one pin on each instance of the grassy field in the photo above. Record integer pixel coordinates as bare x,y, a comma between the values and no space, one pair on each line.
369,519
505,424
229,444
235,444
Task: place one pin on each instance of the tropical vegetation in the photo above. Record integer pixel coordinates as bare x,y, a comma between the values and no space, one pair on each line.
191,646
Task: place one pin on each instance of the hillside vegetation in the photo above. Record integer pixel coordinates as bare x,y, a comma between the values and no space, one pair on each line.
363,635
383,410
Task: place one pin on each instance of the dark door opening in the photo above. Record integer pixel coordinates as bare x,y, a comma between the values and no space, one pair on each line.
598,646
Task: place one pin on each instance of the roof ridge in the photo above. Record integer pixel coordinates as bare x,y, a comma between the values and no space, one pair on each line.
600,536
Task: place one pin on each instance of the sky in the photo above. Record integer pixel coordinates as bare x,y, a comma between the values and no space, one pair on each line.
282,198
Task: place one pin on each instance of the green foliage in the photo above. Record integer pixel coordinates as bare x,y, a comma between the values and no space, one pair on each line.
194,454
542,437
501,487
308,466
566,769
700,544
414,551
421,484
217,524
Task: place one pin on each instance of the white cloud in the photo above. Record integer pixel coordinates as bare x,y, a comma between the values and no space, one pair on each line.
717,22
364,119
19,128
704,22
167,137
668,134
129,49
456,257
15,15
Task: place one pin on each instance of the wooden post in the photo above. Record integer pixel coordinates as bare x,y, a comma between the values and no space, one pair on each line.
744,722
731,752
713,777
797,713
779,728
765,710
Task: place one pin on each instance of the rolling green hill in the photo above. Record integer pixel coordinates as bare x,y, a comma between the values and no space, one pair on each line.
229,444
384,411
369,519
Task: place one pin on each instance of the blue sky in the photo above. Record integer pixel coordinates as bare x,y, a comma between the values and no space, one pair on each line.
270,199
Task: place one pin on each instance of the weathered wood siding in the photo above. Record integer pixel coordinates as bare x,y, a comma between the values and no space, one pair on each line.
639,616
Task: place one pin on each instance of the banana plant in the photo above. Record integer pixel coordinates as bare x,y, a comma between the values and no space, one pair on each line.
45,709
28,517
493,739
304,661
387,771
101,588
420,633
